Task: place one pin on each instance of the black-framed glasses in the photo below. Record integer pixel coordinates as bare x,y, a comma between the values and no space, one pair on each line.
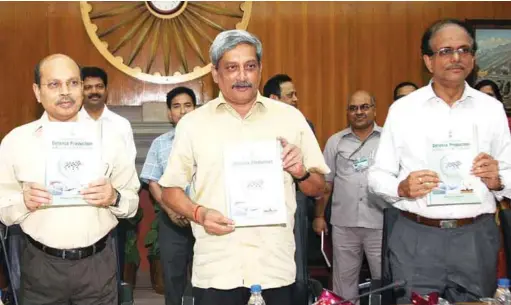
71,84
448,52
363,107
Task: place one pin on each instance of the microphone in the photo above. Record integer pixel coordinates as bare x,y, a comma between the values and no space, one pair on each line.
396,284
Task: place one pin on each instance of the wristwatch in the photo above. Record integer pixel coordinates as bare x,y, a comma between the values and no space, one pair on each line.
117,200
502,186
305,177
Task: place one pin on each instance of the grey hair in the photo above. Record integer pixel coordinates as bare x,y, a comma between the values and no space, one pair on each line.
228,40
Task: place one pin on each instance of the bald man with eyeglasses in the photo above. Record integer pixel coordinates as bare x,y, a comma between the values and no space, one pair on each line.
356,217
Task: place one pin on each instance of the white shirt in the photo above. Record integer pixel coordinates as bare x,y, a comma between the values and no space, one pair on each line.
416,119
113,121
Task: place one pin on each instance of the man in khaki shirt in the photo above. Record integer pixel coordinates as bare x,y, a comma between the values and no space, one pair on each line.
228,260
67,258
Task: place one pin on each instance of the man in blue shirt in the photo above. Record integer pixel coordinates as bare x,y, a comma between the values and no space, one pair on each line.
174,235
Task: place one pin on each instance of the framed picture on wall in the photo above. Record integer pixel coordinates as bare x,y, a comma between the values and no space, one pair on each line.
493,57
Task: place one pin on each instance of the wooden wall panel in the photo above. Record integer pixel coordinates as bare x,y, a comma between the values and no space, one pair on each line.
329,48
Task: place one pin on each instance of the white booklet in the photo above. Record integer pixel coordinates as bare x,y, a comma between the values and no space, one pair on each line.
73,159
452,160
254,183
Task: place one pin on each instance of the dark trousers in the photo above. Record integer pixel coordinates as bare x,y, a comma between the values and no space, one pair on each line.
176,252
50,280
300,287
240,296
452,262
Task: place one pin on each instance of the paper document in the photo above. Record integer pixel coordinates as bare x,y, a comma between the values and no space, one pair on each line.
73,159
327,261
254,183
452,161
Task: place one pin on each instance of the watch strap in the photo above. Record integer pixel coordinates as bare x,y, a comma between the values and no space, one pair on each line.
117,200
305,177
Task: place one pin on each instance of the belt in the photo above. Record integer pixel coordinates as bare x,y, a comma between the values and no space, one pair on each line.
440,223
71,254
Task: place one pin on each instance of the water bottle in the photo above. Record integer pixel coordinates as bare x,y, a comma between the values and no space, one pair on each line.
256,298
503,295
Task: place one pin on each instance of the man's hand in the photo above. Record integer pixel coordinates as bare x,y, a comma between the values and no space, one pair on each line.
35,195
292,159
487,168
100,193
319,225
214,222
418,184
178,220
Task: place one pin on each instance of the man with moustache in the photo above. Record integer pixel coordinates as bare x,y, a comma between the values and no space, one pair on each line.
175,235
450,248
95,92
228,260
95,95
280,87
67,259
356,218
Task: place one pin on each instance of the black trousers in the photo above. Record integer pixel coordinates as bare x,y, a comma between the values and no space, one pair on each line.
50,280
457,263
176,252
240,296
300,287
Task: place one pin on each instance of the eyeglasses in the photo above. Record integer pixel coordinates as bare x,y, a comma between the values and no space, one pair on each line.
363,107
448,52
71,84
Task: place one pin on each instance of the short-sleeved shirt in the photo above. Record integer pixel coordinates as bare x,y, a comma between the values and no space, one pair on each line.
256,255
157,157
349,158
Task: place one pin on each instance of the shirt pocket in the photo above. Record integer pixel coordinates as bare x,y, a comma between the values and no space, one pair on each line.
345,164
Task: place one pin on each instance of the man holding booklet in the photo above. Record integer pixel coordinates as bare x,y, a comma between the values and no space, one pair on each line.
242,153
65,182
444,154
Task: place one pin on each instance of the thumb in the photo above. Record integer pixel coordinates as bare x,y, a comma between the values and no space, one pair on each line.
283,141
220,218
227,221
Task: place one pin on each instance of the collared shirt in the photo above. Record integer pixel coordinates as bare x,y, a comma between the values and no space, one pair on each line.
349,159
22,160
117,123
421,118
262,255
157,157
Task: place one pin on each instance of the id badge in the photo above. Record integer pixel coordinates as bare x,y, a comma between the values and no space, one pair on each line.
361,164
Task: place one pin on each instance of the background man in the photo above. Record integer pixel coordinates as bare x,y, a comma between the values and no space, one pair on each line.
356,217
281,88
174,233
95,96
